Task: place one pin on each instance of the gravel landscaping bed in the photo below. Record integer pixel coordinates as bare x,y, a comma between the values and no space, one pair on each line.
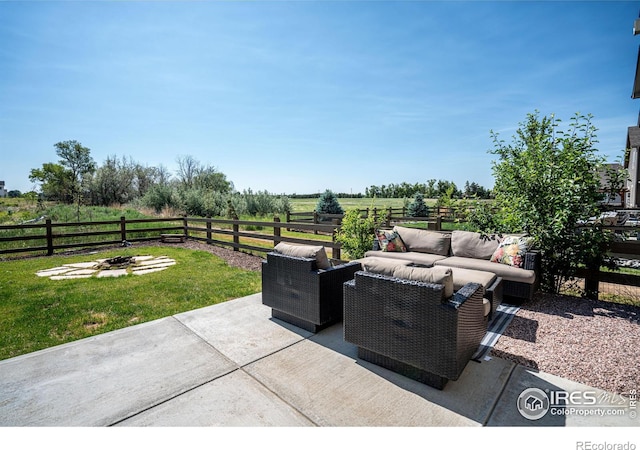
592,342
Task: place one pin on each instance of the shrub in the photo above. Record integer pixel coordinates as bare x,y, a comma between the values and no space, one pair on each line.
160,197
356,233
418,208
328,204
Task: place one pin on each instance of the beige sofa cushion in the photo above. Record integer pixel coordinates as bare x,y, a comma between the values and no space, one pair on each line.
383,266
305,251
423,259
467,244
425,241
507,273
437,275
464,276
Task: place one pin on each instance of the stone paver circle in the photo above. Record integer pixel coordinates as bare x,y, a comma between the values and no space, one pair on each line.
100,268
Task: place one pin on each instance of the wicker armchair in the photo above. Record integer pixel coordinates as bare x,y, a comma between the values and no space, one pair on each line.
301,294
408,327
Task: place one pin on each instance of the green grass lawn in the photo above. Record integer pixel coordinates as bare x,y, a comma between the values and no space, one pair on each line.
37,313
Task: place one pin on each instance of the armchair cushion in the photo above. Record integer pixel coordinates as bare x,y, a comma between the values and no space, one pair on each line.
383,266
316,252
437,275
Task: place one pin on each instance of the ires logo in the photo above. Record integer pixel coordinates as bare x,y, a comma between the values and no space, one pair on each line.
535,403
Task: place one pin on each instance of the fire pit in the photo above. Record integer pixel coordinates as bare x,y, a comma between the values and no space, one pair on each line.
110,267
117,262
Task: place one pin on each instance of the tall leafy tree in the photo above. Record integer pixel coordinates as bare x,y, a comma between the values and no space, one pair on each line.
55,182
546,183
77,160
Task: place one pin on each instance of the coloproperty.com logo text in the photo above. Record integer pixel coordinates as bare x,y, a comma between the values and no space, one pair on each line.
535,403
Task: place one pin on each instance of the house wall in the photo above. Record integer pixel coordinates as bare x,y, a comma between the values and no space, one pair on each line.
632,183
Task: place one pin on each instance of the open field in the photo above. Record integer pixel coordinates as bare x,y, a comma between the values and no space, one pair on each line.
37,312
309,204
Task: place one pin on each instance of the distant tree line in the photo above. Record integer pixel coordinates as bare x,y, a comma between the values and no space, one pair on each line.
320,194
195,188
431,189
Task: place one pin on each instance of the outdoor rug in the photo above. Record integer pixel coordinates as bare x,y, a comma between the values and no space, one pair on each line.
499,322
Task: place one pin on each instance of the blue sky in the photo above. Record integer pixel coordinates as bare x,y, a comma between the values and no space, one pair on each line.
303,96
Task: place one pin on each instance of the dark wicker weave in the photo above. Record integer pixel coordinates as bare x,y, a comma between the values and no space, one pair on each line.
408,327
495,294
516,292
301,294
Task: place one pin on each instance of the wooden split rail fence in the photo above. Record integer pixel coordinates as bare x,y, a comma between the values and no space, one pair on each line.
49,237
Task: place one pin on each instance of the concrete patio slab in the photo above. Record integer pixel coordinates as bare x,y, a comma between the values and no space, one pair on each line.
107,378
242,329
317,374
235,399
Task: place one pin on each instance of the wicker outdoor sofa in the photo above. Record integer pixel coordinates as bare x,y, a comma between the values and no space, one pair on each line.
412,327
303,287
467,250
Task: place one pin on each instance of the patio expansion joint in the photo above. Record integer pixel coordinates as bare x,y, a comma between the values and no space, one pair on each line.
499,396
193,388
238,367
274,393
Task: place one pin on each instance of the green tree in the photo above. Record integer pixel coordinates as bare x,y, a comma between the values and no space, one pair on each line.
418,208
77,160
55,182
546,183
328,204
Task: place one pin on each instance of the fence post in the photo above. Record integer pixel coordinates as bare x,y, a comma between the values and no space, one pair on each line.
276,231
389,213
236,230
208,229
123,228
315,221
435,226
288,218
49,237
185,225
335,252
592,282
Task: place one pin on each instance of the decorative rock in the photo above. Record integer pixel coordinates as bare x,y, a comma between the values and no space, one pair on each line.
112,273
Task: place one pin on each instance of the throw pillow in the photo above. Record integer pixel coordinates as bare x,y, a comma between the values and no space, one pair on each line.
305,251
511,251
390,241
